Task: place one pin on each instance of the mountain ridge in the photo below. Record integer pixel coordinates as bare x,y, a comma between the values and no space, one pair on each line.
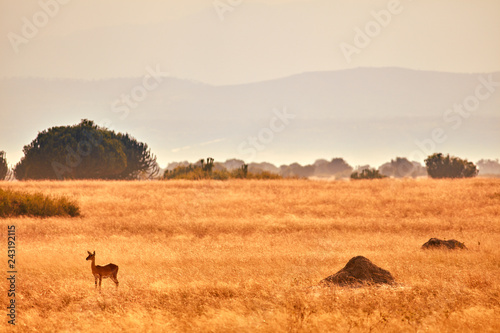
195,81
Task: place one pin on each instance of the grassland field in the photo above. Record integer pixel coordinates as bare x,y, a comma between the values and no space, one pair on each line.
247,256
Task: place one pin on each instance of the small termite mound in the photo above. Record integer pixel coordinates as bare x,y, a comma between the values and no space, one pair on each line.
451,244
358,272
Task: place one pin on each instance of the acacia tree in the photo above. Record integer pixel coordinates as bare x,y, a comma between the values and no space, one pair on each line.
439,166
4,169
83,151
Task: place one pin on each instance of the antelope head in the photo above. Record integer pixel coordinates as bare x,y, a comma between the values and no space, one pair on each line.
91,255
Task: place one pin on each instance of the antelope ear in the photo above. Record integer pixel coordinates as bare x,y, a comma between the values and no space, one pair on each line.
89,252
94,252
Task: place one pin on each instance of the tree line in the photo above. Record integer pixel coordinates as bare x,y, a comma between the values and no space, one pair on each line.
87,151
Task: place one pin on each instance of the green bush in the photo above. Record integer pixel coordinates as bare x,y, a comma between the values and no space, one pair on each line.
367,174
439,166
14,203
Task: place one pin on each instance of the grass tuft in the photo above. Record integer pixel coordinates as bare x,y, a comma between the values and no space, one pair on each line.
15,203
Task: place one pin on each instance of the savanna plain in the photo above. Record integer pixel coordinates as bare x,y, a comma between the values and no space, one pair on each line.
247,256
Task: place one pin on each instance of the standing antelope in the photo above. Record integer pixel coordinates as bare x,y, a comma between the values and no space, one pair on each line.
100,272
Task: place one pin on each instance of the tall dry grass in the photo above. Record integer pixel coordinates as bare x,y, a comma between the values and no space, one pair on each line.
244,256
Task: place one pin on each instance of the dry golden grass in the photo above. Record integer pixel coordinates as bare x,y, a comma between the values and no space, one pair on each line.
241,256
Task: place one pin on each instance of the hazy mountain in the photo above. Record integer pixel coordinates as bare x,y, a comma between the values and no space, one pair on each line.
364,115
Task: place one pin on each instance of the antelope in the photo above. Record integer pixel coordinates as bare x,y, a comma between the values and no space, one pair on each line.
100,272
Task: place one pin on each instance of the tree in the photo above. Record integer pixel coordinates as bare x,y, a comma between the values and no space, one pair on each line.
439,166
4,169
297,170
336,167
83,151
367,174
401,167
488,167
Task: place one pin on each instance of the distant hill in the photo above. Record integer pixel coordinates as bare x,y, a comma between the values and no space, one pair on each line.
369,113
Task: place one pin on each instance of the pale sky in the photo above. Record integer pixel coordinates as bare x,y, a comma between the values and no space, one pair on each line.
248,41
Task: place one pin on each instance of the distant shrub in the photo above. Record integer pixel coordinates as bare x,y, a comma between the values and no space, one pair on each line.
439,166
241,172
206,170
367,174
13,203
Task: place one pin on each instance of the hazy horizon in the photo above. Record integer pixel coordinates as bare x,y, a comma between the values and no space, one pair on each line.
390,113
